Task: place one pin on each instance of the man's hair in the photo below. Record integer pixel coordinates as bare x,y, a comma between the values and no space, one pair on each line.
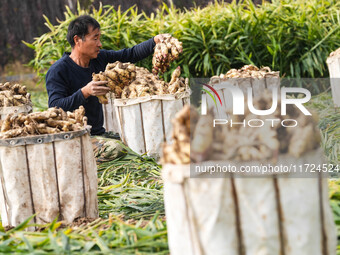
80,27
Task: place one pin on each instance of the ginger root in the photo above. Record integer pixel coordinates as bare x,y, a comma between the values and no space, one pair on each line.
165,52
13,95
129,81
51,121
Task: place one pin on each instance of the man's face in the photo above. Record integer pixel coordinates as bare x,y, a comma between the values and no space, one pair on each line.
91,44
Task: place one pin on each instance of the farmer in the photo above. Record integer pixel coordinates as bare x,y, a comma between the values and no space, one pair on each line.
69,81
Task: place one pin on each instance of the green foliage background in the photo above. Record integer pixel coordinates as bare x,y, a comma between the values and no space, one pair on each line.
294,37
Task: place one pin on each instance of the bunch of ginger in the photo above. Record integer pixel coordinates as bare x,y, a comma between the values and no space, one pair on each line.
165,52
129,81
148,84
51,121
247,71
13,95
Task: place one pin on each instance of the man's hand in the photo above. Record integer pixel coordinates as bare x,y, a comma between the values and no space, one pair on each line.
160,38
95,88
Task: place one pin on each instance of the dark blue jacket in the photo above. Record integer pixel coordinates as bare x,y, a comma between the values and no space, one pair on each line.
65,79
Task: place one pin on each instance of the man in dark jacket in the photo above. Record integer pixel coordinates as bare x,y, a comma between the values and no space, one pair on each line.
69,81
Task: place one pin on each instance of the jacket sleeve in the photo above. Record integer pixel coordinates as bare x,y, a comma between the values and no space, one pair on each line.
133,54
58,92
